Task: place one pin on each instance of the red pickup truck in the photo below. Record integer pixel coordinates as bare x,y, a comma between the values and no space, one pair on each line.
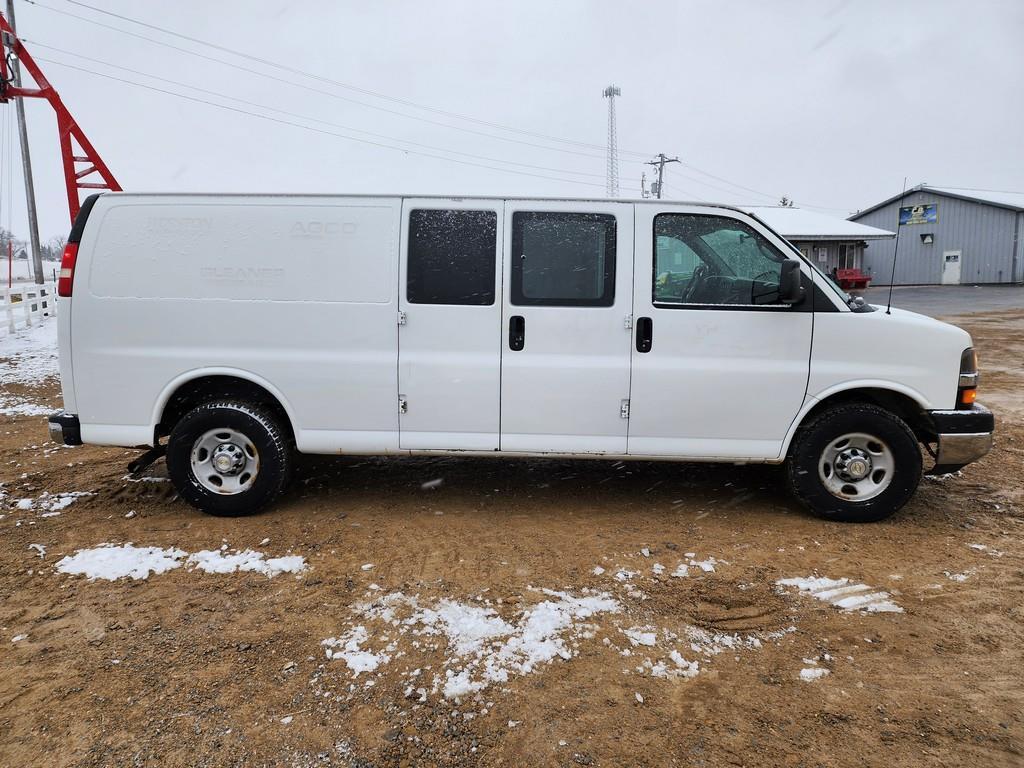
852,279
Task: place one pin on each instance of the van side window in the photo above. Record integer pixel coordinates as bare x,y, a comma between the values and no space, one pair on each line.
452,256
711,260
563,259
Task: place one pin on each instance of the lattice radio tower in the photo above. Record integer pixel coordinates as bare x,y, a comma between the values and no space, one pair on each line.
612,182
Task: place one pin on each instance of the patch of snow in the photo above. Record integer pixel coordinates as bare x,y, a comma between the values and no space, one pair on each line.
986,549
959,577
39,548
844,594
357,659
146,479
112,562
712,643
810,674
58,501
18,638
682,570
640,636
482,647
598,570
685,668
366,566
218,561
11,405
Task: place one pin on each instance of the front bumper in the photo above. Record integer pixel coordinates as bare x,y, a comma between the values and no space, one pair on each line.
963,436
65,429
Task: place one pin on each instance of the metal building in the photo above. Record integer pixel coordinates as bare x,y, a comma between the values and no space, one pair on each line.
948,236
830,242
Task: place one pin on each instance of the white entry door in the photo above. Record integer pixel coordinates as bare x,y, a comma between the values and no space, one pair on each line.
565,347
951,267
449,326
719,365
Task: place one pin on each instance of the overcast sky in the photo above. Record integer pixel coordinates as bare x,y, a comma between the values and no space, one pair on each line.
829,102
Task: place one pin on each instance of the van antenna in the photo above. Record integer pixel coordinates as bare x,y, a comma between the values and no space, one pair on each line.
896,250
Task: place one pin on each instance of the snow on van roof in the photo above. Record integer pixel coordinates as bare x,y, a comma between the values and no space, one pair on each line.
799,224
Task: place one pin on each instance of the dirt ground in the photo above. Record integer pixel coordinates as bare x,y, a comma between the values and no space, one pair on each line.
187,668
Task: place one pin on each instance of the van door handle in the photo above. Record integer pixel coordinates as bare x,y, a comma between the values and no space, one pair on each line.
516,333
644,334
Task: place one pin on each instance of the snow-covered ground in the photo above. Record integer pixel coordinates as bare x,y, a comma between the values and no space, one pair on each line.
28,357
21,269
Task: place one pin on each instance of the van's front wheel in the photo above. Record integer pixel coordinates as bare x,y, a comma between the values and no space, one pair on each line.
229,458
854,463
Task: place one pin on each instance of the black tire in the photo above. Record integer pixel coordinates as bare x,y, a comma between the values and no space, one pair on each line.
261,427
809,448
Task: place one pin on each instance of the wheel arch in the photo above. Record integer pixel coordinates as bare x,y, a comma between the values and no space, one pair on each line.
194,387
904,402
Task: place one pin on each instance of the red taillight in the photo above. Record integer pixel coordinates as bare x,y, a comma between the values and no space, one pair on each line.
66,280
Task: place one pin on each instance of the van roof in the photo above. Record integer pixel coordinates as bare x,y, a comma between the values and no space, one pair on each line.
539,198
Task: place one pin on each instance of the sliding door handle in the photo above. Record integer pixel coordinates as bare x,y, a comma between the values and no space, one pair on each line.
516,333
644,334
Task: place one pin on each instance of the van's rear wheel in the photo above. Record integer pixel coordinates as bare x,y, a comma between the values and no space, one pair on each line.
229,458
854,463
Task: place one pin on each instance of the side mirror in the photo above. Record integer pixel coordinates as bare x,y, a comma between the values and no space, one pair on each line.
791,290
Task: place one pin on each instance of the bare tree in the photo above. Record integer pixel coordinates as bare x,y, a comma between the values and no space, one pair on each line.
54,247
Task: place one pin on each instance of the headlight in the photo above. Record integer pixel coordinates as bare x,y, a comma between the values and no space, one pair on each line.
967,387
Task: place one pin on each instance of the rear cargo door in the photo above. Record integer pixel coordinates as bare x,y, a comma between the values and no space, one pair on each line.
449,360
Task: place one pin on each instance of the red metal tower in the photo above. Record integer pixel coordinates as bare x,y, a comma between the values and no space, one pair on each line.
80,159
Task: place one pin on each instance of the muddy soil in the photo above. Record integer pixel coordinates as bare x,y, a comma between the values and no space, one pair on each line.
187,668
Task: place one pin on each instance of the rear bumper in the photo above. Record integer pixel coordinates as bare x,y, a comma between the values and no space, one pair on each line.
962,436
65,429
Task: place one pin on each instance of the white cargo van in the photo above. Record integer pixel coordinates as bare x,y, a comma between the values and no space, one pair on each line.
233,330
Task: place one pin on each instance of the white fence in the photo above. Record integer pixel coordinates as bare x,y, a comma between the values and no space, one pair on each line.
28,304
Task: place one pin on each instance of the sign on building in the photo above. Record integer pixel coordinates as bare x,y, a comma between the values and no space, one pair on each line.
919,214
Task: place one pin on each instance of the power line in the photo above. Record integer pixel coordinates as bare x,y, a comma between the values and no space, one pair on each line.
331,94
313,129
687,195
393,99
349,86
296,115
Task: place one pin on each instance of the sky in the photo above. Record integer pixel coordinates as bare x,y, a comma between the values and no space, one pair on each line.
828,102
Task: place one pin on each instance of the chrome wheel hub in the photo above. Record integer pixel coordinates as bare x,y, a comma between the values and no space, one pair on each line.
224,461
856,466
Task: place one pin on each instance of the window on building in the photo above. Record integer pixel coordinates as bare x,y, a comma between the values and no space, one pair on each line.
563,259
847,256
452,257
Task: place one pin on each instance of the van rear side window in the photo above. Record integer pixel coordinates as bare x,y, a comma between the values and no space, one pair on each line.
452,257
563,259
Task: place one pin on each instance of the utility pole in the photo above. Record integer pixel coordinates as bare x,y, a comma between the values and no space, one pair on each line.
26,162
612,176
659,162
